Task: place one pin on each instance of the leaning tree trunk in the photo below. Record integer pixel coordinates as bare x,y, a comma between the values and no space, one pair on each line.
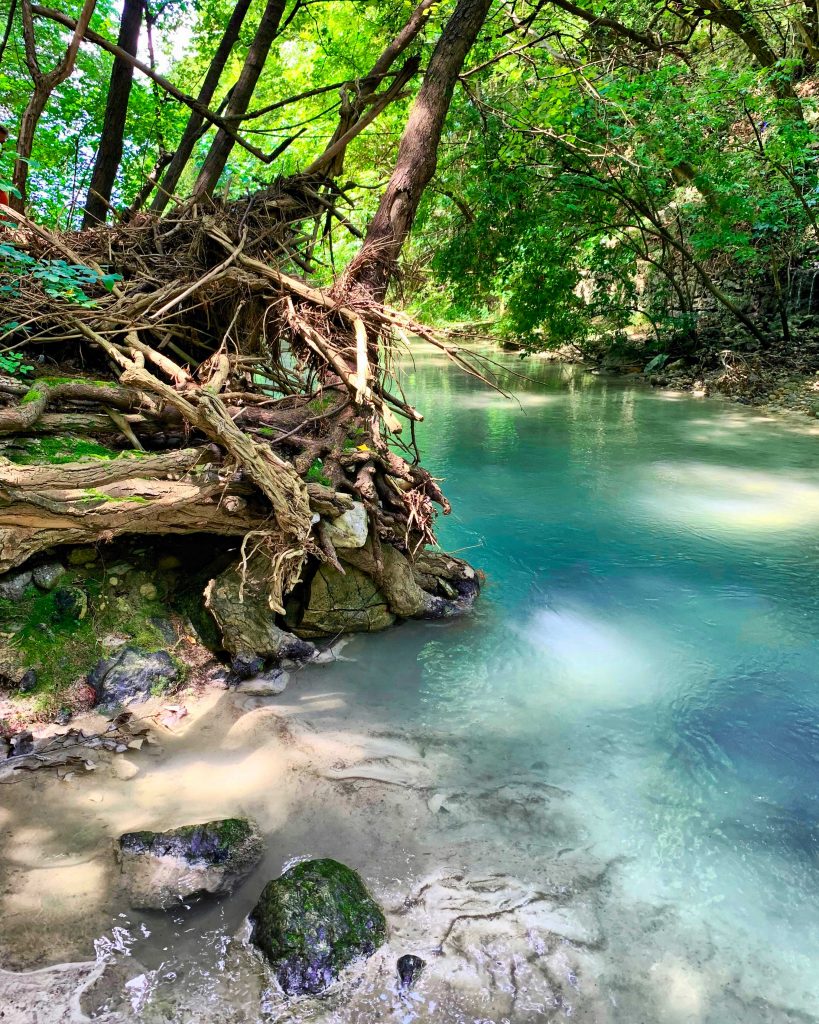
193,129
44,84
372,268
240,97
353,108
109,153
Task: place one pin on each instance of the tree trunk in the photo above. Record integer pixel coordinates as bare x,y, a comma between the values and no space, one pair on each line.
417,159
196,121
352,109
240,97
44,84
109,153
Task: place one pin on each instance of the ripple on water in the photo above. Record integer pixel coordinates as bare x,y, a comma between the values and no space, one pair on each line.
594,800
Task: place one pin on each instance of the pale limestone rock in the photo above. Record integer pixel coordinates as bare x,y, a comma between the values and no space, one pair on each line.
350,529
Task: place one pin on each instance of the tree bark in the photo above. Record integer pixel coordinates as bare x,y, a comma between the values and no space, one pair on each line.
44,84
353,108
195,123
109,153
83,503
374,265
240,97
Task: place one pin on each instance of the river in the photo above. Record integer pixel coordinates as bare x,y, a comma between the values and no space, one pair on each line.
594,799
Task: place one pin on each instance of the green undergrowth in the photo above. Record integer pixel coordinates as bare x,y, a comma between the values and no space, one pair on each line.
315,474
63,646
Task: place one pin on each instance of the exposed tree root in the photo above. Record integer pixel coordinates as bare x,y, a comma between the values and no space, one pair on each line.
229,396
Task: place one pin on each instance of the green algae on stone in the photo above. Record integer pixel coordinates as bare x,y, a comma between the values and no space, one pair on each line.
315,920
162,869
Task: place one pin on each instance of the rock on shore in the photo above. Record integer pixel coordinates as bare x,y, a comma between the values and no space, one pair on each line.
161,869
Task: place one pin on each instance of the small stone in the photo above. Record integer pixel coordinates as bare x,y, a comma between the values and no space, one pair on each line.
21,743
63,716
168,562
266,684
28,681
82,556
112,642
12,588
148,591
70,603
12,667
245,666
46,576
409,969
124,769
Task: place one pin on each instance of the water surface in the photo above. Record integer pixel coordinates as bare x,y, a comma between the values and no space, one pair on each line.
610,769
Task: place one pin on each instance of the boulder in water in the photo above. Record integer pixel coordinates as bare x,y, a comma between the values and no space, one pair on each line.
265,684
247,624
162,869
313,921
348,602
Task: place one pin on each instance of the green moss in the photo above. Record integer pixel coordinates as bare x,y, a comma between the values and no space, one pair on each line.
320,404
32,395
63,649
267,432
92,494
354,438
233,831
313,921
56,451
315,475
54,381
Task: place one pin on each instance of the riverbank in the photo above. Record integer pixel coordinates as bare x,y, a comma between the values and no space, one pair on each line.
322,778
772,388
785,384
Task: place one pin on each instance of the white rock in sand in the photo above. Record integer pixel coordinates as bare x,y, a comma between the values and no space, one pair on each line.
266,684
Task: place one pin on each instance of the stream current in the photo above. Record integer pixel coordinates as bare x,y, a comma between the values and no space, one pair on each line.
595,799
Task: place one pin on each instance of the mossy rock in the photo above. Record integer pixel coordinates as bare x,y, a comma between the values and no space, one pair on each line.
163,869
348,602
313,921
133,674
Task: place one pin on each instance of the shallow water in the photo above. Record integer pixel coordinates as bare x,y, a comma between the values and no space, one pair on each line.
597,796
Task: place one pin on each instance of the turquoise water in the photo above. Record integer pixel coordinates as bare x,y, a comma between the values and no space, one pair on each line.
647,642
610,770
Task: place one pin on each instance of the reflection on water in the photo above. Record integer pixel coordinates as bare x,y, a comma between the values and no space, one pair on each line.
599,794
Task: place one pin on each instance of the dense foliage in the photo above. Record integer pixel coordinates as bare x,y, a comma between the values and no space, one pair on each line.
602,170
